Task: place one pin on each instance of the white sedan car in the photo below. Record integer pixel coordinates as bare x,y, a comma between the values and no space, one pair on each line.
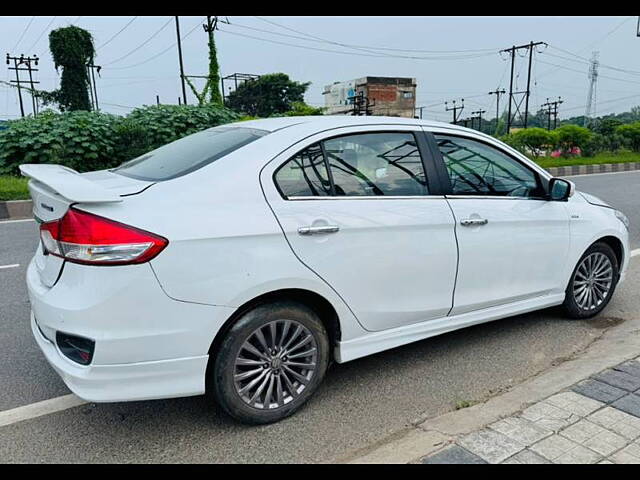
243,259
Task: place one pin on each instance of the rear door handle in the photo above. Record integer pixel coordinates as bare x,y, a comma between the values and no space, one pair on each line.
318,230
470,222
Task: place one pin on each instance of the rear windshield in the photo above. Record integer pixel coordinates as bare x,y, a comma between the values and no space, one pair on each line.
188,154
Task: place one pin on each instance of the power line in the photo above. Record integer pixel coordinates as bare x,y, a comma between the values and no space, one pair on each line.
581,72
23,32
358,46
41,33
142,44
588,61
351,53
153,57
117,33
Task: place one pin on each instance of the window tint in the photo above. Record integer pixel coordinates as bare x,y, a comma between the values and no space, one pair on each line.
376,164
189,153
305,175
479,169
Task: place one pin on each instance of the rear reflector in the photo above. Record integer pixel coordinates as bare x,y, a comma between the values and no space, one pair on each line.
82,237
78,349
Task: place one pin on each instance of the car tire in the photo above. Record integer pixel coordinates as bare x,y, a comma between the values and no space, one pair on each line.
253,362
592,282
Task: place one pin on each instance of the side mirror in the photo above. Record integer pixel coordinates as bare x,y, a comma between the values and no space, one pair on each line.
560,189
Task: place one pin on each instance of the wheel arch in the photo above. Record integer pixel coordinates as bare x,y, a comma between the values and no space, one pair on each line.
616,245
319,304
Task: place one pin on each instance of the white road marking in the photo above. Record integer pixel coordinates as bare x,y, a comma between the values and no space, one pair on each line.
16,221
635,252
9,266
34,410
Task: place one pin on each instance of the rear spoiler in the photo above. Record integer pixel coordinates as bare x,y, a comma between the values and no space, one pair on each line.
69,184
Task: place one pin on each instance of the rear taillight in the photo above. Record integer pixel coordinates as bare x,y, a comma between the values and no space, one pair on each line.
82,237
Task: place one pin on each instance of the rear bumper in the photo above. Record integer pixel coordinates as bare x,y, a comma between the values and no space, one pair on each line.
147,345
179,377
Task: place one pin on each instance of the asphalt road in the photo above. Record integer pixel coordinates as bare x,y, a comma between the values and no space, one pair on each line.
359,403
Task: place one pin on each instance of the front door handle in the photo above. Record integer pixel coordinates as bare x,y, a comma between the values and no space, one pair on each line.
470,222
318,230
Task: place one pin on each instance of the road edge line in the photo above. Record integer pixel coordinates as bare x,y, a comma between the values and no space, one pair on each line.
38,409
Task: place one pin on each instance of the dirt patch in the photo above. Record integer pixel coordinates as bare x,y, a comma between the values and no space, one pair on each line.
604,322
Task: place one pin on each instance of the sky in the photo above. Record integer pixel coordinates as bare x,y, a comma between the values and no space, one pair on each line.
450,57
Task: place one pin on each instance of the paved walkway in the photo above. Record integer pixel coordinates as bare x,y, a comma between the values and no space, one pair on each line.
595,421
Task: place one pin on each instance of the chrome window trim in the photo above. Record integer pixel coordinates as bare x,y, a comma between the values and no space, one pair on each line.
493,197
367,197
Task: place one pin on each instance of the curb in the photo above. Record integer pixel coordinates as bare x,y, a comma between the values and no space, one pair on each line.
16,209
436,433
589,169
423,436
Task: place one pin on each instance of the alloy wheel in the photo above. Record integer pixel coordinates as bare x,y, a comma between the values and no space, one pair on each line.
592,281
275,364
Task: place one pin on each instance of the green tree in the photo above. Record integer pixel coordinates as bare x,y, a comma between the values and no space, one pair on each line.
302,109
274,93
212,87
569,137
71,48
631,133
534,139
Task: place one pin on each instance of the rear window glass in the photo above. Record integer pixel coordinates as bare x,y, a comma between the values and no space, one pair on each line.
189,153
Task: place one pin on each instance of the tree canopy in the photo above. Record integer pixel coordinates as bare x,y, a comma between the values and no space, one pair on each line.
268,95
72,49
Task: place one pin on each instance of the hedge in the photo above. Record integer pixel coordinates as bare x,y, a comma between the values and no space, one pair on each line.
88,141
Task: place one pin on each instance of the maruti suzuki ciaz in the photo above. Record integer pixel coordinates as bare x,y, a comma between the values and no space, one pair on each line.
243,259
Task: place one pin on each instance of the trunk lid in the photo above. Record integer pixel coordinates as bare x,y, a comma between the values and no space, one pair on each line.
54,188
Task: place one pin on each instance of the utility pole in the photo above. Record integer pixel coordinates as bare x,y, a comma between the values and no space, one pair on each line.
456,110
552,109
512,95
184,90
92,83
497,92
157,99
479,117
414,112
26,61
591,96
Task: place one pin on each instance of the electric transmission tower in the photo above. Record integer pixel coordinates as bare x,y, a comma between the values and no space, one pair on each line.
591,96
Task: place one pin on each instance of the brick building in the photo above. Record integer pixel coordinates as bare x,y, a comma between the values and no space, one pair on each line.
392,96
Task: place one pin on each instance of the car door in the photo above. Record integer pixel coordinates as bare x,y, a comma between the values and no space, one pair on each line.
512,240
358,209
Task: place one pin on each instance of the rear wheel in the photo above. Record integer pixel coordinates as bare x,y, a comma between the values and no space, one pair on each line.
270,362
592,283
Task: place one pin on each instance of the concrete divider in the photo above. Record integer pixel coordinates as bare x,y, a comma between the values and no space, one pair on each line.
16,209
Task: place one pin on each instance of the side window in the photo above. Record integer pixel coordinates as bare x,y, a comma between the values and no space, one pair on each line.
305,175
478,169
372,164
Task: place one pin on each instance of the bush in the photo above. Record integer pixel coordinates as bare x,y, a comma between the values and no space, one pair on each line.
88,141
165,123
81,140
631,134
570,137
534,139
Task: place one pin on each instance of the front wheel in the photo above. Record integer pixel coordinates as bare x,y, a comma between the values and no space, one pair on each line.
592,283
270,362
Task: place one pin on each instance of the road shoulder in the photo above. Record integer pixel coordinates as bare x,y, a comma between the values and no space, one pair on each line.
616,346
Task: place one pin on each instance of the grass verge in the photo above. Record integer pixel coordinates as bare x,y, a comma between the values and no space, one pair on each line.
13,188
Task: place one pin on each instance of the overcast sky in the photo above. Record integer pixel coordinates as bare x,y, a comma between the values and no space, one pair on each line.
451,57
